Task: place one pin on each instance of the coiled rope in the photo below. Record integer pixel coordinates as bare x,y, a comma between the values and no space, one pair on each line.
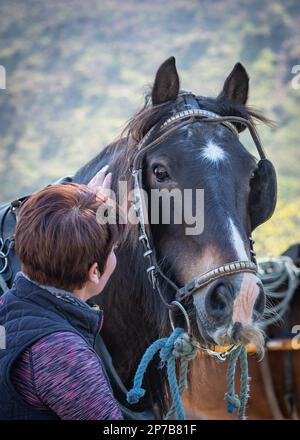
277,272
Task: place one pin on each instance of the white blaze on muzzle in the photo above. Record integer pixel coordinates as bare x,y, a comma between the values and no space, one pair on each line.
244,302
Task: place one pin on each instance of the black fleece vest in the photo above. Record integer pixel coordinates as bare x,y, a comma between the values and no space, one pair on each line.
28,313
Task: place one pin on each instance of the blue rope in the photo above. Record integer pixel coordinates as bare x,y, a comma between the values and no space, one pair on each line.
233,400
178,345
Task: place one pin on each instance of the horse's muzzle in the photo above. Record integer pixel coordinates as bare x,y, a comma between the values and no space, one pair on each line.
223,306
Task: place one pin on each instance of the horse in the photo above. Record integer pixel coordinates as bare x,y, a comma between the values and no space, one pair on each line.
275,384
179,140
240,195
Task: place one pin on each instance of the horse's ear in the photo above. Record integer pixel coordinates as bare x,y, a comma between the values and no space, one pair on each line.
236,85
166,84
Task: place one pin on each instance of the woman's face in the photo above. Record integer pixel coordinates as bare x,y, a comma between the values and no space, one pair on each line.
96,282
109,267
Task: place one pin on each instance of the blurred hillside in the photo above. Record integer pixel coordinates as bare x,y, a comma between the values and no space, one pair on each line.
77,70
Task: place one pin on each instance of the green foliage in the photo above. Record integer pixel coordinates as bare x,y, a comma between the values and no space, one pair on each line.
273,237
76,71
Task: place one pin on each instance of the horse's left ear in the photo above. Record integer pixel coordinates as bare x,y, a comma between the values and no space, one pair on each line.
166,84
236,85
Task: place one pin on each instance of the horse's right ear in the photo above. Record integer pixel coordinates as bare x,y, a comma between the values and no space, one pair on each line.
236,85
166,84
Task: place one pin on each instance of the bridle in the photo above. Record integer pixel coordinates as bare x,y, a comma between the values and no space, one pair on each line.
150,141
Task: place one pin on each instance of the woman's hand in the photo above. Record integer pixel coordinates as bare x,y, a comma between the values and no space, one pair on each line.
101,181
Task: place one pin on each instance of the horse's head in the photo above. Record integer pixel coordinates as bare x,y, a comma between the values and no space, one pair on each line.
239,194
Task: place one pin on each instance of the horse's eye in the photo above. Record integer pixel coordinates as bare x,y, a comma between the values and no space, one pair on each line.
160,173
253,175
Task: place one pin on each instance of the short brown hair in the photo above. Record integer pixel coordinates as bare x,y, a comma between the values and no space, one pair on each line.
58,237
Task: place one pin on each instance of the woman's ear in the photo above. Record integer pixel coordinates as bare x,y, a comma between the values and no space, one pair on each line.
94,273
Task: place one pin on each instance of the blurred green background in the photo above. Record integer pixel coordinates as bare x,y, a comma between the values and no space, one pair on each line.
77,70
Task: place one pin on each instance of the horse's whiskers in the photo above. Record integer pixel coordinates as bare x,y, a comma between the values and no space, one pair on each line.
270,312
244,335
250,334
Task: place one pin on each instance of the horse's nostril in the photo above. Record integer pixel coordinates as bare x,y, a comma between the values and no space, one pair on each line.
218,301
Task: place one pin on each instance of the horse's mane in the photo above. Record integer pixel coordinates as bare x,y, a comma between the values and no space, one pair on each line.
149,115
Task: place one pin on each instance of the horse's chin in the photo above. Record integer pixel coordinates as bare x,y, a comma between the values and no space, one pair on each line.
234,334
238,334
224,336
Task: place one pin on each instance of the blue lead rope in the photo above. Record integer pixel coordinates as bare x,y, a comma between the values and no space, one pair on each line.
233,400
178,345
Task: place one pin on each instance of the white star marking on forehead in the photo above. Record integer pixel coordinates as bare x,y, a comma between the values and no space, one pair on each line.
237,241
213,153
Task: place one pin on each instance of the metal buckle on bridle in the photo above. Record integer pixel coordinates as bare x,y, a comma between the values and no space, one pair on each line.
7,243
221,356
5,263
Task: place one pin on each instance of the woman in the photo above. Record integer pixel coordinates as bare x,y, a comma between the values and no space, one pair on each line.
49,368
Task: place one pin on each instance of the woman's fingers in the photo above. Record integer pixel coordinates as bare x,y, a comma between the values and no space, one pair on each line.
100,176
101,179
107,181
